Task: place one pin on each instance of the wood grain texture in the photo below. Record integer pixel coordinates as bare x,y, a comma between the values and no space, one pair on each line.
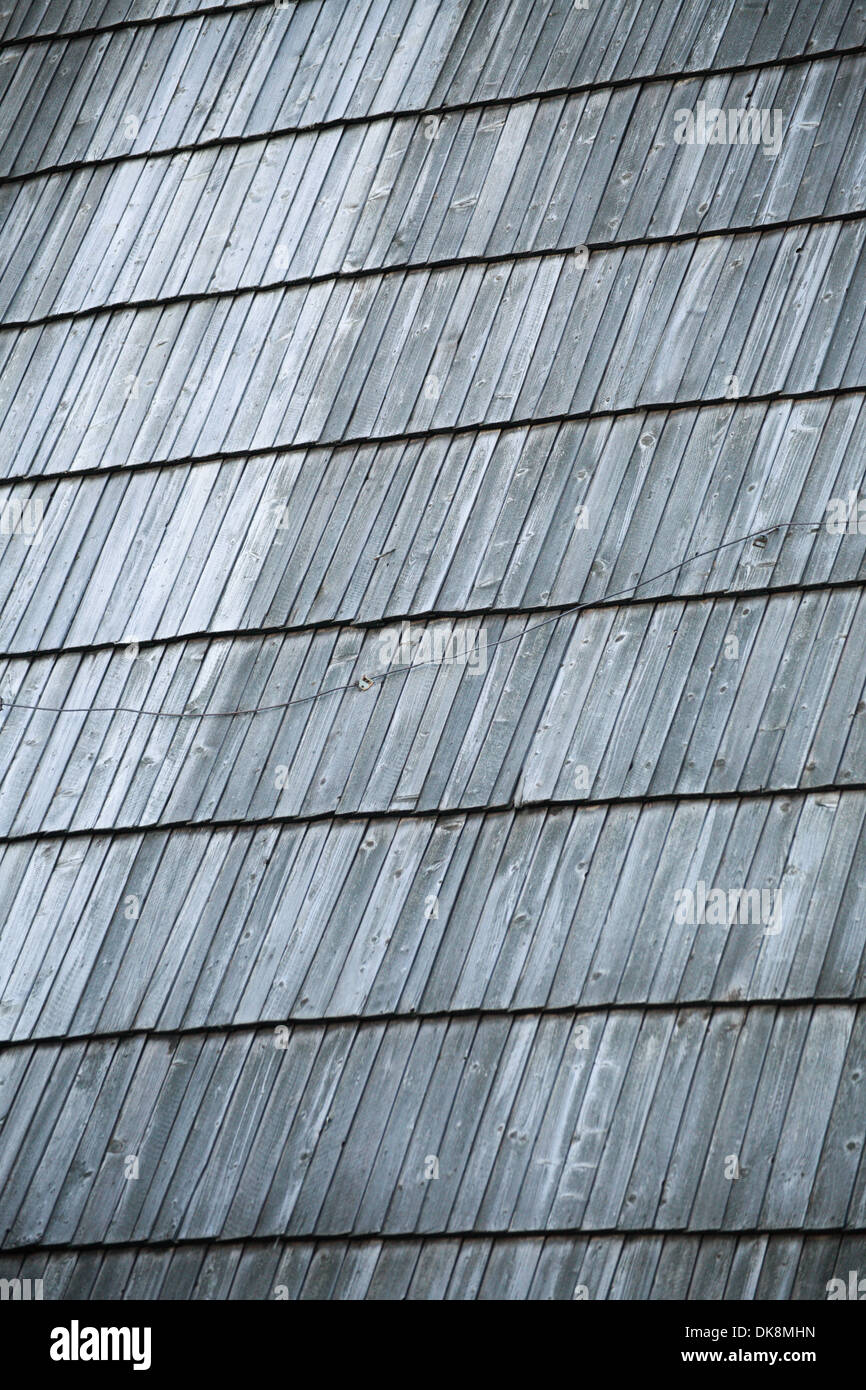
386,983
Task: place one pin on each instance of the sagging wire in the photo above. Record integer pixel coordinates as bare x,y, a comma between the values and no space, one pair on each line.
366,682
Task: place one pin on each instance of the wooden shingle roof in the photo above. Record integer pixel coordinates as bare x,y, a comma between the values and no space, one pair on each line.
357,321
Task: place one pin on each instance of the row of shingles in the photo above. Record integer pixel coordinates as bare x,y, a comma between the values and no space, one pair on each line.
538,909
262,70
140,88
377,745
629,32
746,314
42,18
629,1121
484,520
488,183
616,702
37,1217
249,73
524,1268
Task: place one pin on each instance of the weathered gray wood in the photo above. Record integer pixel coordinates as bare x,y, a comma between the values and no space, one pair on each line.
443,1006
336,332
732,1267
566,907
